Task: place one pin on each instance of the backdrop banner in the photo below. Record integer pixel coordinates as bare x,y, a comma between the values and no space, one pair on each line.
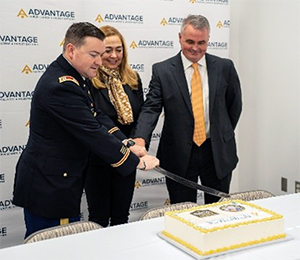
31,37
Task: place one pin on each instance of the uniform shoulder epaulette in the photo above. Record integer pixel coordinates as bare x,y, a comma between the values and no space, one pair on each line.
68,78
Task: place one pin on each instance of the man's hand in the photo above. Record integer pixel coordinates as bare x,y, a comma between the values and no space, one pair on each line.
148,162
140,141
138,150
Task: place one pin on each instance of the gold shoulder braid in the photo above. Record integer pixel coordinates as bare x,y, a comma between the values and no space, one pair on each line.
117,95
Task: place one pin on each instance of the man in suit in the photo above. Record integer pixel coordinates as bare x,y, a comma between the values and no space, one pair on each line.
64,127
171,88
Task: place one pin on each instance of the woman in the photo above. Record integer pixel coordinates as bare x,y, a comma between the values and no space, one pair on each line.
118,93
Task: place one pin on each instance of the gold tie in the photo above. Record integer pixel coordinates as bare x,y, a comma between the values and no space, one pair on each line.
197,105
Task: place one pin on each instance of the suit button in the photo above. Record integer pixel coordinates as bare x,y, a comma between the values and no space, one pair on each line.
65,174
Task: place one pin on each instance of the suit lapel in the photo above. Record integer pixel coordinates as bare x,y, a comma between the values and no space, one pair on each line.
212,80
179,75
101,97
104,93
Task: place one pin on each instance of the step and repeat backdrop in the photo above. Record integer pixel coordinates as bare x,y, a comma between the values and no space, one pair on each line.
31,37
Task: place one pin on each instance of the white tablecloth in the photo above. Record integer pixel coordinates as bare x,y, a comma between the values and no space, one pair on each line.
139,240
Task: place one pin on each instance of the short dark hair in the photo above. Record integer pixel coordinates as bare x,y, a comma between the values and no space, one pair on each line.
77,33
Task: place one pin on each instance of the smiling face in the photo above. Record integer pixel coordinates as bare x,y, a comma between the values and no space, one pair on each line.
113,56
86,58
193,43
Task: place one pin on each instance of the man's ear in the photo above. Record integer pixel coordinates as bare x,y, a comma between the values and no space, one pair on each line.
70,50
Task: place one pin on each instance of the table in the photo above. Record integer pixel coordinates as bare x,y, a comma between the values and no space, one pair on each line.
139,240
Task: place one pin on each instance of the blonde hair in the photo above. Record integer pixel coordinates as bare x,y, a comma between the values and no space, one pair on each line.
128,75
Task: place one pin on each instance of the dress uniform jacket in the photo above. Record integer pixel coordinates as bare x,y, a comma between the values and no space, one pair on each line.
64,127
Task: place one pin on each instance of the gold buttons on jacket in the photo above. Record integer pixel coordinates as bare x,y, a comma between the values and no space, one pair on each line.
65,174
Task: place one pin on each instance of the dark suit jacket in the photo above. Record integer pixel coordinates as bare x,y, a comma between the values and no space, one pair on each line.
168,89
103,102
64,127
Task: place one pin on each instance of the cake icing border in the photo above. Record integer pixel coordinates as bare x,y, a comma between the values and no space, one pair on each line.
222,249
273,217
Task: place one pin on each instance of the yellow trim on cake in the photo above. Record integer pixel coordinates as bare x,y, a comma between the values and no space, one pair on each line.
274,216
218,250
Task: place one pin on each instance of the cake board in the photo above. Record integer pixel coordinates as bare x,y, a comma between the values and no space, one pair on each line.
198,257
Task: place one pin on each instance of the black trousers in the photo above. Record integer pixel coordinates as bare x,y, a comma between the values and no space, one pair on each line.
201,166
109,195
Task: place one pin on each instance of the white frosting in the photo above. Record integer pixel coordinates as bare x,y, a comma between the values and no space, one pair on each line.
223,230
221,217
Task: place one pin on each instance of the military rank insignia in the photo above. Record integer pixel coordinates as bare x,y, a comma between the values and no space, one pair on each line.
68,78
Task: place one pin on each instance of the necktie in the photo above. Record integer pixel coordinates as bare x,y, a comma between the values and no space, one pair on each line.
197,105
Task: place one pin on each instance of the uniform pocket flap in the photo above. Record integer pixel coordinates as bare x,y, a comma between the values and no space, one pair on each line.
64,167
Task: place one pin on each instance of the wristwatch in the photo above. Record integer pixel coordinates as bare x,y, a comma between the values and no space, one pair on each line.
129,143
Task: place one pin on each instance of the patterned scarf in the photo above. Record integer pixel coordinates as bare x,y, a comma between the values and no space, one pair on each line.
117,95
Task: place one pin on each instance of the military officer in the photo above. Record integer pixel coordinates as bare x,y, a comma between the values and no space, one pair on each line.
64,127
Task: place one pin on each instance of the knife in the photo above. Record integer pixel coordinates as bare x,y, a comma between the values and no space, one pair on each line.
191,184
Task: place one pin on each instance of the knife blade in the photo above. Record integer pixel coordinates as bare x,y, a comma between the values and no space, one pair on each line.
191,184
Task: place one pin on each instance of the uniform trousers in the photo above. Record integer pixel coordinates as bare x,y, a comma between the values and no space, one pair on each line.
35,222
109,195
201,166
